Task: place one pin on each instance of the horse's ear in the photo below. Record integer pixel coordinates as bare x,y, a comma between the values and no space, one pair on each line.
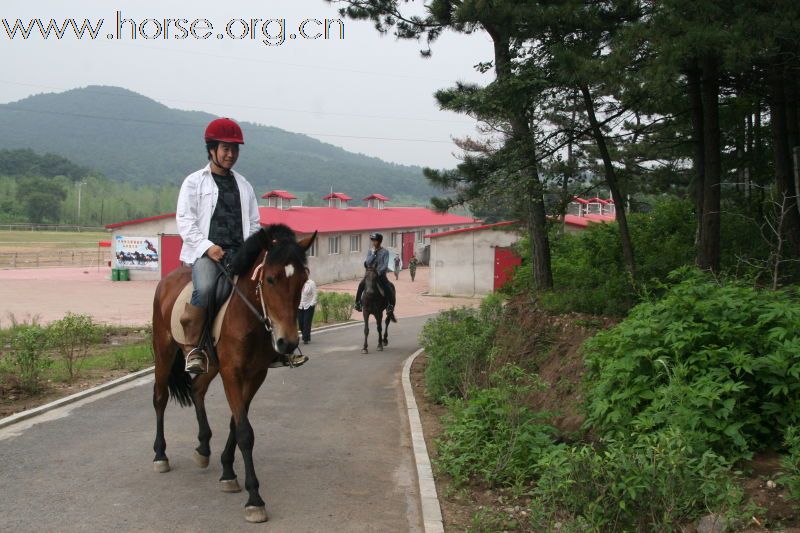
306,243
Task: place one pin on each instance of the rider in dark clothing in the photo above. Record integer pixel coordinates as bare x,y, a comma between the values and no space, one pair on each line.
378,258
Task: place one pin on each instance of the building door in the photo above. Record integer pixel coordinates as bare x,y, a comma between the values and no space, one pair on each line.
408,247
505,260
170,252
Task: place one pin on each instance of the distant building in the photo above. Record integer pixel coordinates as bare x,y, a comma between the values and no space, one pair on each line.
342,240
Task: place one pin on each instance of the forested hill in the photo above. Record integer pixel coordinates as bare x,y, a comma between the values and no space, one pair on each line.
129,137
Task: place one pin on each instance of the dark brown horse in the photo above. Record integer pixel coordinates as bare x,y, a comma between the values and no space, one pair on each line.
274,259
374,303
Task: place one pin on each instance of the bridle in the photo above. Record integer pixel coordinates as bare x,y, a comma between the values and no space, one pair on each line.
263,316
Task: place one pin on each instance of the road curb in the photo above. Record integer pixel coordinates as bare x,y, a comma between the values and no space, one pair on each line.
431,509
72,398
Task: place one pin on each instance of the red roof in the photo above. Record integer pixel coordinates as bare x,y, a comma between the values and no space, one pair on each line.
138,221
474,228
376,196
332,220
279,194
339,195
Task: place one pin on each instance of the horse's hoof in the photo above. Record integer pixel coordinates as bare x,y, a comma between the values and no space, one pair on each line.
380,348
364,351
386,342
200,459
161,466
255,514
230,485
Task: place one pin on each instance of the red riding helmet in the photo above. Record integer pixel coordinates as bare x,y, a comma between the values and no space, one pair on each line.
224,130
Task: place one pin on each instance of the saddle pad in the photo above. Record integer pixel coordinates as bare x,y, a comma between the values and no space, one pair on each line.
177,310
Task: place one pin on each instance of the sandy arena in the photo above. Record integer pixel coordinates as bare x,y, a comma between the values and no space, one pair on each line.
50,293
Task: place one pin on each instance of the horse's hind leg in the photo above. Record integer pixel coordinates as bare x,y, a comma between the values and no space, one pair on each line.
228,480
163,358
379,325
199,389
366,333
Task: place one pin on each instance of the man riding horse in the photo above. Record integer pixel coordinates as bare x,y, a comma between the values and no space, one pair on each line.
378,258
217,211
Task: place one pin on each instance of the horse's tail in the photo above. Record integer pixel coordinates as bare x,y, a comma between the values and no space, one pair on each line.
179,381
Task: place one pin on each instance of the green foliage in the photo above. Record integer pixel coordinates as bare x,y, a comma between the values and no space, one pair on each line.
42,198
71,337
28,345
790,463
334,306
491,435
458,343
719,361
649,484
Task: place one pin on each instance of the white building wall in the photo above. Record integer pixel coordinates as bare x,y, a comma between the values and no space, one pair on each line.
462,264
152,228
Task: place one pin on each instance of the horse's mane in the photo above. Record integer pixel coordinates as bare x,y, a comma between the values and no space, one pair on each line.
278,239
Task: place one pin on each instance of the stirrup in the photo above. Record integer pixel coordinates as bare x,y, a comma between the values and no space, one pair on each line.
292,361
196,361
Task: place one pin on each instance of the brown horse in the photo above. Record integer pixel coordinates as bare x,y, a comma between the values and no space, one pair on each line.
272,269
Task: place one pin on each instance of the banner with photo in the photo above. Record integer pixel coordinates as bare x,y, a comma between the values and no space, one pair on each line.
140,253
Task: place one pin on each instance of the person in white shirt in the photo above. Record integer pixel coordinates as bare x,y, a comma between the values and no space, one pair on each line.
305,315
217,211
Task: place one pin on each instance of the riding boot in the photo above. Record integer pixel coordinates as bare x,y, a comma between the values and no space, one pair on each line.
392,299
193,319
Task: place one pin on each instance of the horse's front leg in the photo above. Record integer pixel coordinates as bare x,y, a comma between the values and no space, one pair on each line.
228,481
379,325
240,389
366,333
199,389
386,331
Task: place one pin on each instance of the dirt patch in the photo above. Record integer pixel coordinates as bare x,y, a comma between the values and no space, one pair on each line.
14,400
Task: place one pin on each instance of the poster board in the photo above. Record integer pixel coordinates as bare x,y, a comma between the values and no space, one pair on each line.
136,253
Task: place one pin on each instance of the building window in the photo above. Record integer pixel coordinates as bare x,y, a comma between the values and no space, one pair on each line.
421,235
394,239
312,251
333,245
355,243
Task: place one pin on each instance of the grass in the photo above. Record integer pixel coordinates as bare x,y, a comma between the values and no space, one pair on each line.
38,240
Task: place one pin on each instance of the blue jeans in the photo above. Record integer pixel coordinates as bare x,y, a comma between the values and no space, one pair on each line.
204,277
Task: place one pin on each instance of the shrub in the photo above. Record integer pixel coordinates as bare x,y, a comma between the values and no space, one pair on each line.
721,362
71,337
27,347
492,435
458,343
335,306
650,484
790,463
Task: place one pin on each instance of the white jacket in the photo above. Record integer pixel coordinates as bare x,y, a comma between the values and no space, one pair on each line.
196,203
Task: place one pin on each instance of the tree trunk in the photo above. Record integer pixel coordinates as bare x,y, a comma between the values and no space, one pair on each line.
784,178
699,159
708,256
611,180
523,137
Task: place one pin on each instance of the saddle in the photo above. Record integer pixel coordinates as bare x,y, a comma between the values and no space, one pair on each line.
216,313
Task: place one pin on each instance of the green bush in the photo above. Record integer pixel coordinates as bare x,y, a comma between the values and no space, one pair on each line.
28,344
790,477
335,306
458,343
71,337
719,361
650,484
491,435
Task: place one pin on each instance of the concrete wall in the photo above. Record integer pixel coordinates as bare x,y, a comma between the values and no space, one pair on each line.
462,264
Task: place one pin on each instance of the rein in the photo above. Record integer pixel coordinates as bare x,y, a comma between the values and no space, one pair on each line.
262,318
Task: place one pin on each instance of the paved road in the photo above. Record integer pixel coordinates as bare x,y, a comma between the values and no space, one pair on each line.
332,453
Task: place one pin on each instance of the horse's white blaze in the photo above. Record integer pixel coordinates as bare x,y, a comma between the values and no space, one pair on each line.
289,271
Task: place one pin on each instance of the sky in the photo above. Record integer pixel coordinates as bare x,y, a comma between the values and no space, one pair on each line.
366,92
